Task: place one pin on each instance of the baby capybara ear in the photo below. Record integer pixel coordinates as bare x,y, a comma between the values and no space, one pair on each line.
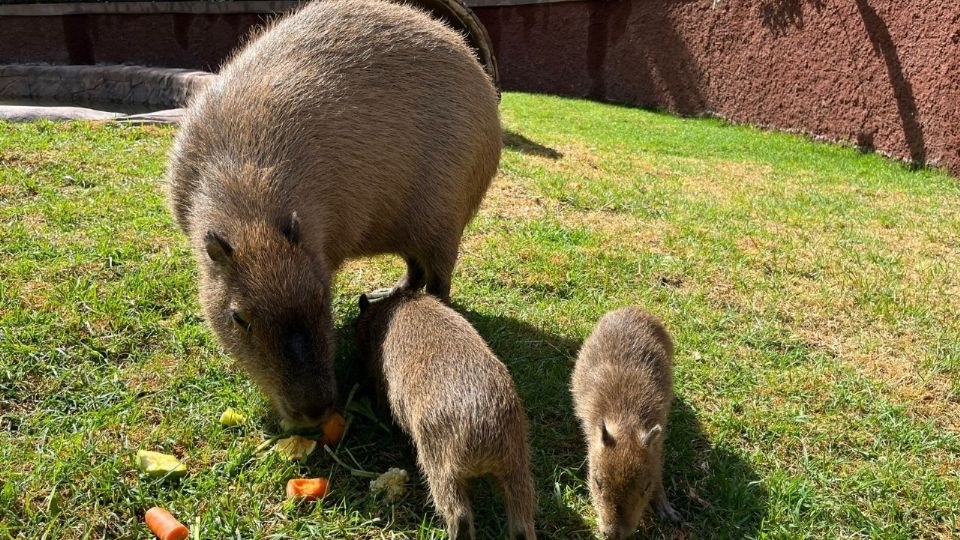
218,249
647,438
291,229
605,436
364,303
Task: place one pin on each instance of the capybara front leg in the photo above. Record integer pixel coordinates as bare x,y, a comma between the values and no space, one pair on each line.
662,506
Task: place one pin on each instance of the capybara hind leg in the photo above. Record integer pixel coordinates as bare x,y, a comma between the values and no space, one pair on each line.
520,503
439,271
450,498
414,279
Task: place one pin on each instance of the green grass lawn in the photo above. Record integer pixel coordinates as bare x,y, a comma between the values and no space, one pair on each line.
812,292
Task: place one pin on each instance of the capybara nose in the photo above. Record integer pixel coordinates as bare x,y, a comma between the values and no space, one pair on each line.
307,414
303,415
314,412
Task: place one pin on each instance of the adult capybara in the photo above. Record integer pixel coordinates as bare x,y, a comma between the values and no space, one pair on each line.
622,389
350,128
450,393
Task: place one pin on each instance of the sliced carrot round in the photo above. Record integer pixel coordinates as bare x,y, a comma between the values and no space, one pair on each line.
310,489
164,525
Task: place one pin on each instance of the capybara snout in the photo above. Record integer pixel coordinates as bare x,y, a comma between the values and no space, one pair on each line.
622,468
304,398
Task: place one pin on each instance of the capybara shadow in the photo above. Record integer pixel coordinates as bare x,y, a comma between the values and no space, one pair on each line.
516,141
716,492
540,363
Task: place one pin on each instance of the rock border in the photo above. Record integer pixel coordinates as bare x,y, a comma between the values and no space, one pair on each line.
168,89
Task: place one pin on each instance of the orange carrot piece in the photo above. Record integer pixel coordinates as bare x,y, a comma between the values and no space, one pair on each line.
333,429
164,525
310,489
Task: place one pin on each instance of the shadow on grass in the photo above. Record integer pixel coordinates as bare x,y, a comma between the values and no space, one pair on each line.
717,493
518,142
540,363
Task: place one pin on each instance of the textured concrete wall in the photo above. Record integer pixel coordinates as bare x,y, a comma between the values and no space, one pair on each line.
884,74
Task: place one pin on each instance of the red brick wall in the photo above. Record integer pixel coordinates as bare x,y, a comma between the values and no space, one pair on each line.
884,74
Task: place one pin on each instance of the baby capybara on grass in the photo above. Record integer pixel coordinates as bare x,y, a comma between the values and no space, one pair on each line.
622,388
455,399
350,128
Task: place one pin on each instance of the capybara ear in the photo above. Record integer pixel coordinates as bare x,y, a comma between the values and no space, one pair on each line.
291,229
647,438
217,248
364,303
605,436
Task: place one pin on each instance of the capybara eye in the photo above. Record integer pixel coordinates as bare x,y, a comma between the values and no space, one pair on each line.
239,320
597,483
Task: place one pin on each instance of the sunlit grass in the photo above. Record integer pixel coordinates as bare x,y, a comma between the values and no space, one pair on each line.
812,292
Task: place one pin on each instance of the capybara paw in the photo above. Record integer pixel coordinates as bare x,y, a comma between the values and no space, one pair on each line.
666,512
380,294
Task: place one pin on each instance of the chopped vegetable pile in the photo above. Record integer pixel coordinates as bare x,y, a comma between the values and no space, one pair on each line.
392,483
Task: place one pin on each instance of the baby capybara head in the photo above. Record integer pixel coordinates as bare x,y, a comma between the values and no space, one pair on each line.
623,466
266,299
372,322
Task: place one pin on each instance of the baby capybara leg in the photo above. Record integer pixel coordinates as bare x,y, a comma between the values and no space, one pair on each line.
520,503
662,505
450,498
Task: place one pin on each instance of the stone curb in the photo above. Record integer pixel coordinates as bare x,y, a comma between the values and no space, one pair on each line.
168,89
162,87
23,113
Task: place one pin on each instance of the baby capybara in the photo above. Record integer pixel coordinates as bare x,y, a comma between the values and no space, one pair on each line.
450,393
622,388
350,128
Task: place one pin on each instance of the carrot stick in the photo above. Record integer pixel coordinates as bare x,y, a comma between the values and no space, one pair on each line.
164,525
307,488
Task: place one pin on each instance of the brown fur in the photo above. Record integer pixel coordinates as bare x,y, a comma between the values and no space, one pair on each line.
455,399
622,388
367,125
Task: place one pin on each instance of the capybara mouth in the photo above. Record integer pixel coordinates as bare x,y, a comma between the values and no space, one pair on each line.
291,420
